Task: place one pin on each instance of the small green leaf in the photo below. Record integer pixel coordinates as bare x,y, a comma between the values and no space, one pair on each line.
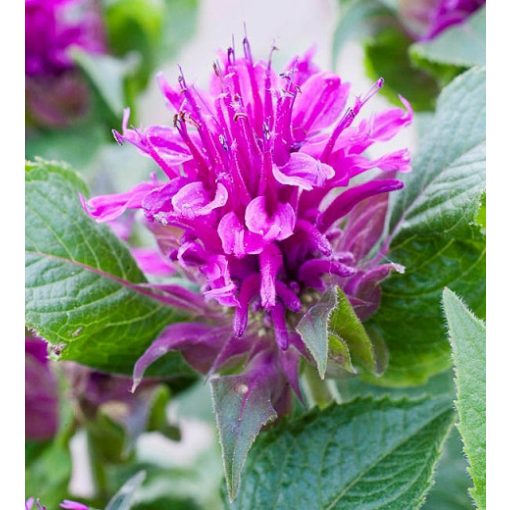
339,355
461,45
84,292
436,236
367,454
242,408
124,499
467,337
313,328
344,323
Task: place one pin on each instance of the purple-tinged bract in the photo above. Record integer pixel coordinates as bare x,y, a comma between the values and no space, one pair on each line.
269,200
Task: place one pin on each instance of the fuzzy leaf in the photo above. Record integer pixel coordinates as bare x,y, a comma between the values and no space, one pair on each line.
84,292
435,235
242,407
442,193
461,45
367,454
467,337
124,498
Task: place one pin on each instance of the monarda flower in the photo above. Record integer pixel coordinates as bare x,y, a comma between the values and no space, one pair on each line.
430,17
269,200
55,92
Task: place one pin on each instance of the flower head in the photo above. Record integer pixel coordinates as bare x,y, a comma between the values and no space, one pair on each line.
55,93
52,27
263,206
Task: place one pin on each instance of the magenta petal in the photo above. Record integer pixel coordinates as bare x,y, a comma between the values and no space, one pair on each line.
194,200
289,362
270,263
236,239
277,226
109,207
304,171
152,262
348,199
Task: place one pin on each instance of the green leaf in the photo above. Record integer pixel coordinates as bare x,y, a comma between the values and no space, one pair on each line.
442,193
461,45
467,337
84,292
367,454
106,74
124,499
386,55
242,408
435,235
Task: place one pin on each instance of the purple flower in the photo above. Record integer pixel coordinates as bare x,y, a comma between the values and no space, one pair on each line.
263,207
430,17
55,93
41,392
52,27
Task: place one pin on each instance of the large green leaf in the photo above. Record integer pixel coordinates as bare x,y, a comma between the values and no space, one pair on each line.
84,292
461,45
467,336
435,235
367,454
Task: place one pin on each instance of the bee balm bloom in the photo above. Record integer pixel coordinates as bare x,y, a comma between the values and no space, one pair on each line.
263,206
52,28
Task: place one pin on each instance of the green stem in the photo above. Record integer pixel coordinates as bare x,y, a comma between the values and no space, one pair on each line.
318,392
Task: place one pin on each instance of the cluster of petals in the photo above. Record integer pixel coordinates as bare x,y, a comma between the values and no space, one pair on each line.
268,199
